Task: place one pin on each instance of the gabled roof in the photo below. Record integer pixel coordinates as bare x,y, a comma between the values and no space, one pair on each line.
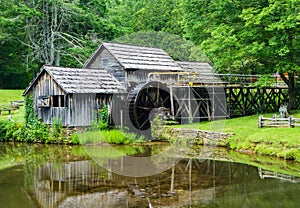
75,80
137,57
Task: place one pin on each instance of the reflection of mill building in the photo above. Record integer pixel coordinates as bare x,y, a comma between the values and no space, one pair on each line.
190,182
85,184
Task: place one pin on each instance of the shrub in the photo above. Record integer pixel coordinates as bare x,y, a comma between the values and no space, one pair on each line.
113,136
75,138
103,118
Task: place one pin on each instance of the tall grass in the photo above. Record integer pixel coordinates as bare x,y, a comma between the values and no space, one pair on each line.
113,136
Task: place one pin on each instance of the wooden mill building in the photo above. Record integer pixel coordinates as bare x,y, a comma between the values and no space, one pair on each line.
133,81
113,71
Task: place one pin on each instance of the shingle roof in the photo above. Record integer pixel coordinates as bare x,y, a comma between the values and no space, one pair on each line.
200,67
75,80
202,72
138,57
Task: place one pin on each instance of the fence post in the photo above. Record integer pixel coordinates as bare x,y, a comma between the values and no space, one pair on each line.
291,121
260,121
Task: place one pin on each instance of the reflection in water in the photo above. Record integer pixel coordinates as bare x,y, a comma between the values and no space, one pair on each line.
64,176
189,183
271,174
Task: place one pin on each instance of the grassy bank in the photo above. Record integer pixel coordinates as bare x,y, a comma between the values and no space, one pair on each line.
279,142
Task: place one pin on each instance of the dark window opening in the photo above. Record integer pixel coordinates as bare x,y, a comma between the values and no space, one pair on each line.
58,101
62,101
55,100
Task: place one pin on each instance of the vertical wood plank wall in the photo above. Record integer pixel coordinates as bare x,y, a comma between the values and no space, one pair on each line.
46,86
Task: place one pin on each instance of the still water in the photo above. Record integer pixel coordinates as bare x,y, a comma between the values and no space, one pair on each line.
67,176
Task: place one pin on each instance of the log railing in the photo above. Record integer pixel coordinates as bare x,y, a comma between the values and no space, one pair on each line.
278,122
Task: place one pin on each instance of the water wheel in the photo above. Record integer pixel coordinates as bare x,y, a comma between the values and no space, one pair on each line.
144,100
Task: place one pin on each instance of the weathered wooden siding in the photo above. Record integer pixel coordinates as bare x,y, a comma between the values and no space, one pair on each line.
118,113
79,109
139,76
47,87
82,109
107,61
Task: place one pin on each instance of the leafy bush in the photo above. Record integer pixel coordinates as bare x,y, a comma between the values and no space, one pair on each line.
102,121
11,131
265,81
57,129
75,138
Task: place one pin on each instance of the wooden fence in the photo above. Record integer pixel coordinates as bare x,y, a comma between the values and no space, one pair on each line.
13,106
278,122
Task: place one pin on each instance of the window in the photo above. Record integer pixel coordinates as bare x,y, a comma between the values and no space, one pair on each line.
43,101
104,62
58,101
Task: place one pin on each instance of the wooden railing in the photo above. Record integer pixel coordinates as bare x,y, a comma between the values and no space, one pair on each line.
13,106
278,122
196,78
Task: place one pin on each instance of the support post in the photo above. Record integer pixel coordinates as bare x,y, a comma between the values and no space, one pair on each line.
260,118
172,102
291,122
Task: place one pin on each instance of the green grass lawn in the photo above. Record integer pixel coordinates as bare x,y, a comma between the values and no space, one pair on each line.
11,95
281,142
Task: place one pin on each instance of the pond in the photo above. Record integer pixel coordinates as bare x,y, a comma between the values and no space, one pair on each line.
70,176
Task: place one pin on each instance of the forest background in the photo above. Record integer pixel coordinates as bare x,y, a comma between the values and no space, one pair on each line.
234,36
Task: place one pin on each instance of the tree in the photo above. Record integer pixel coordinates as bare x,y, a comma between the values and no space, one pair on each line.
13,71
248,36
50,31
146,15
62,31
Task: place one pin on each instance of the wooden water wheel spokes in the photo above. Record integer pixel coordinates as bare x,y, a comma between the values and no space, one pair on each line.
143,100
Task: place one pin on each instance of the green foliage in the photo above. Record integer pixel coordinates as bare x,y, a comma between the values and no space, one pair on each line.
11,131
75,138
103,121
113,136
35,130
265,81
57,128
247,37
176,46
146,15
29,110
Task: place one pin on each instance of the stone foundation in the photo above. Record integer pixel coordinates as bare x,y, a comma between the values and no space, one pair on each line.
194,136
